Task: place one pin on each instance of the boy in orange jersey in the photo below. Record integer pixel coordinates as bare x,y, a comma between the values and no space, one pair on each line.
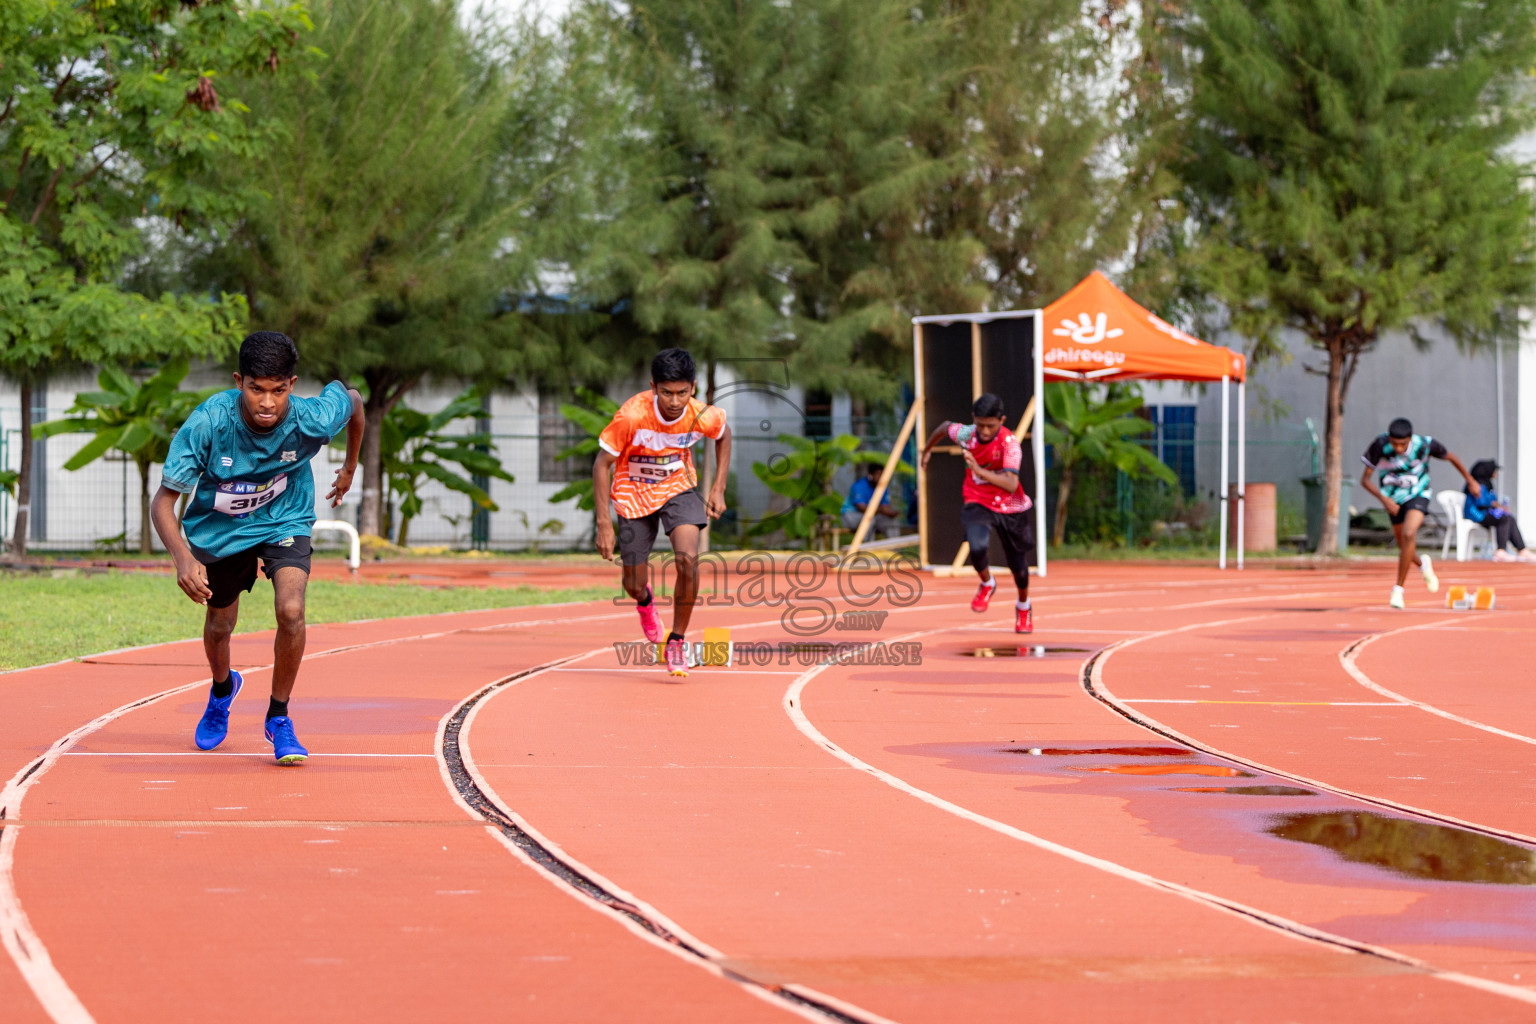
655,485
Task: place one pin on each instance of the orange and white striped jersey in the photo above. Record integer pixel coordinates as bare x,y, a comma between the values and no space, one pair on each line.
654,458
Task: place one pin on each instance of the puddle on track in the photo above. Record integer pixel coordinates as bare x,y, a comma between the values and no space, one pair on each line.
1217,770
1284,832
1103,751
1249,790
1416,849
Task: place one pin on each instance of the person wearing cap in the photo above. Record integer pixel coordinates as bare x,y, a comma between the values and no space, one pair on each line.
859,494
1488,509
1397,473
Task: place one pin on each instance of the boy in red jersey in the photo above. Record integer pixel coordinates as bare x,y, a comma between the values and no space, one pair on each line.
994,499
655,486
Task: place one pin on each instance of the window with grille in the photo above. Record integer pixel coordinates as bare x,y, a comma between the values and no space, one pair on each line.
556,434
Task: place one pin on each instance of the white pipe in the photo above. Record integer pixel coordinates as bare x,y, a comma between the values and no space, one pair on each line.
354,557
1037,443
1221,557
1242,463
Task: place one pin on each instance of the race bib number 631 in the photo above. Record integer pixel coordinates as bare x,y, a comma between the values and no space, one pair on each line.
239,498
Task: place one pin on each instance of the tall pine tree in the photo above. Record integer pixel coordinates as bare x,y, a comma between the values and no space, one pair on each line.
1350,166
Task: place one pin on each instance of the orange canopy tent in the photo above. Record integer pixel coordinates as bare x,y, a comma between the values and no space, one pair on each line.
1096,333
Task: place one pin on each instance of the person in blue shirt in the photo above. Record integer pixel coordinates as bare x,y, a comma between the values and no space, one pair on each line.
1487,508
243,457
858,500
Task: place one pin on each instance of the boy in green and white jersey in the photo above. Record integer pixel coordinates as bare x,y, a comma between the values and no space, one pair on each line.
1397,473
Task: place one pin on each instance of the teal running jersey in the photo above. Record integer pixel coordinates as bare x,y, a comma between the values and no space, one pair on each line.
1406,476
251,488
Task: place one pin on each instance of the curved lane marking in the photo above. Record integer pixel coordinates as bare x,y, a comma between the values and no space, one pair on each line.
1347,658
793,707
1092,679
609,898
17,935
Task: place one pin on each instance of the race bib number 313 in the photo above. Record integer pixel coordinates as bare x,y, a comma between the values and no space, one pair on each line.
239,498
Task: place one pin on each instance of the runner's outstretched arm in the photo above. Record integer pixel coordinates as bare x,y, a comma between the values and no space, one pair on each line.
602,498
715,504
1473,487
355,425
1368,481
191,577
940,433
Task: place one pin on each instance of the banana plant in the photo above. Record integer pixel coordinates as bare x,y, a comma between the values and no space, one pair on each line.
413,448
137,418
803,474
1082,432
592,416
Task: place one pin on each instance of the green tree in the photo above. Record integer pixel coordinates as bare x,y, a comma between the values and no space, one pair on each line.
136,418
396,236
415,448
1084,432
1043,124
1350,165
113,115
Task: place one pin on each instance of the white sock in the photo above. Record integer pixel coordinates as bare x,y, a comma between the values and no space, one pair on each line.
990,584
1023,605
1397,589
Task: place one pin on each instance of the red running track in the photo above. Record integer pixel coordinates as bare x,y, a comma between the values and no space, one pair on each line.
1201,796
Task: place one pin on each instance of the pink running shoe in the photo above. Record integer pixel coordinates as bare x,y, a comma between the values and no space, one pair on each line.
649,620
677,658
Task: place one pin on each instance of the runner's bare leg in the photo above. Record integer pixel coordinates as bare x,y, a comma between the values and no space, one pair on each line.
685,545
1407,533
218,624
288,586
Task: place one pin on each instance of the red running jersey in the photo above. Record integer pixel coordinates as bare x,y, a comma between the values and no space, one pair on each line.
1001,453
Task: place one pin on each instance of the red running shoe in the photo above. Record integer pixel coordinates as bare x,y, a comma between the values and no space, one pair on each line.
983,596
650,622
1024,620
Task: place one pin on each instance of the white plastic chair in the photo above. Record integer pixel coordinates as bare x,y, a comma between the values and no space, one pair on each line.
1454,504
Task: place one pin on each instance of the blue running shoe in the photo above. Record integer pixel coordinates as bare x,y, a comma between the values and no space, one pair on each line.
214,725
285,745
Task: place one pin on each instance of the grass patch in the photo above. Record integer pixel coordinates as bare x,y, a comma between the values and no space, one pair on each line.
45,619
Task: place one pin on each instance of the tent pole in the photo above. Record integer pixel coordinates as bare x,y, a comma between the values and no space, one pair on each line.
1037,442
1242,463
1221,557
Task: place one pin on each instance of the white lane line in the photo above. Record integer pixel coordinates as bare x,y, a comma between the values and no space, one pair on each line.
17,935
757,990
1281,703
793,707
1349,654
1101,689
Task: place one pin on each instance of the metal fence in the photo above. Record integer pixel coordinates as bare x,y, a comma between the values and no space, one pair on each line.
98,505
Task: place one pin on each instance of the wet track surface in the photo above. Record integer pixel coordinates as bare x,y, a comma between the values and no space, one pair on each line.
1189,795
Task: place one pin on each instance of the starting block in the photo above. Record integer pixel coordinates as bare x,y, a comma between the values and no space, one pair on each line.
715,651
1469,598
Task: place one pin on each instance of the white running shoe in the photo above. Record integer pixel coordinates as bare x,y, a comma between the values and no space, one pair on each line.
1430,579
1397,597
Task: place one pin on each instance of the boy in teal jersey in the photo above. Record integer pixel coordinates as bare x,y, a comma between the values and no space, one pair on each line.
243,456
1400,459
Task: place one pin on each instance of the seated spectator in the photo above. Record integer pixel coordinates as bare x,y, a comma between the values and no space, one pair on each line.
858,500
1490,510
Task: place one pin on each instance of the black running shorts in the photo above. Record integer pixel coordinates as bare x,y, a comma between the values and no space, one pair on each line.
1421,503
230,575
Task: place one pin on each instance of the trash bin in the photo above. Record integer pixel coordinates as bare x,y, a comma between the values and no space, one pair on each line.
1259,517
1316,496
